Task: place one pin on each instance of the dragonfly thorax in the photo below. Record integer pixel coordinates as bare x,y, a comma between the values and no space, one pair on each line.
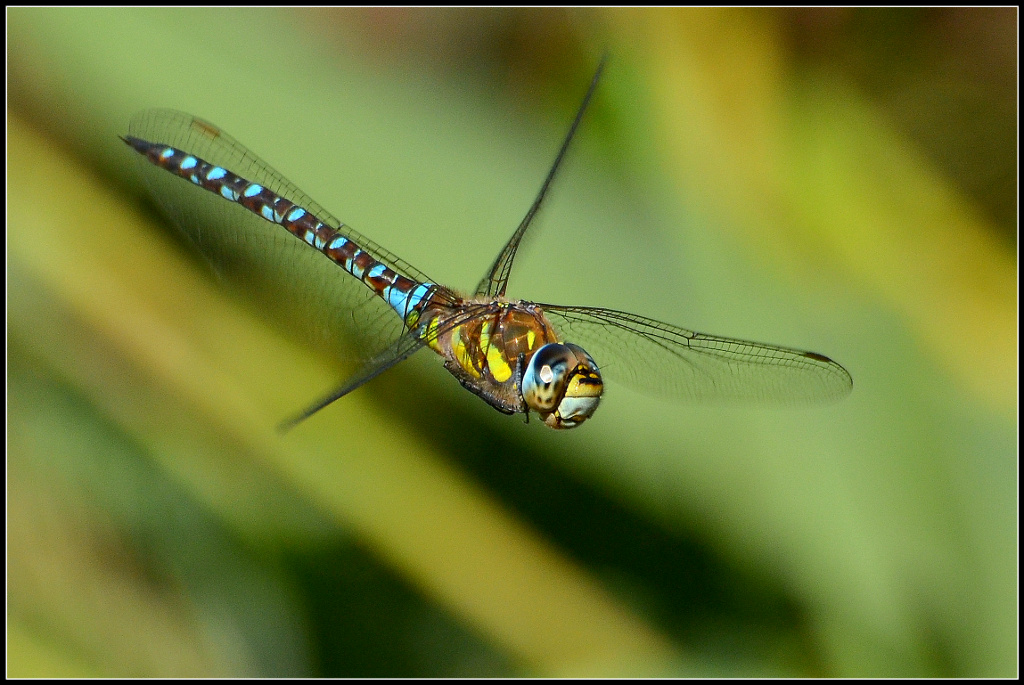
508,353
561,382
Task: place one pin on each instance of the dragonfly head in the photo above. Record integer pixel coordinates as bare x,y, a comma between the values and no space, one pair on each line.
562,384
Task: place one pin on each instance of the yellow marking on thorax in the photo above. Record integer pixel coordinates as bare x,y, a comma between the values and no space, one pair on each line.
462,355
412,318
432,340
496,362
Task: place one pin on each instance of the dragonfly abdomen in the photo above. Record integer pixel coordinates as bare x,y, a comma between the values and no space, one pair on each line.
404,295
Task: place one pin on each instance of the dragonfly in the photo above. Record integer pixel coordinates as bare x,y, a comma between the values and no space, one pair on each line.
518,356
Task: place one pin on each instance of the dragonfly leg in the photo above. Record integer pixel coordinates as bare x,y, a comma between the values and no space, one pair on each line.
473,386
518,374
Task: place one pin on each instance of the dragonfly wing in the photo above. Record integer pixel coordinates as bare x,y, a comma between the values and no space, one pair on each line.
678,363
400,350
496,280
295,281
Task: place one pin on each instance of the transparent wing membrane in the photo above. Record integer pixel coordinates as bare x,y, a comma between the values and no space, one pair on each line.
400,350
678,363
397,352
299,283
496,280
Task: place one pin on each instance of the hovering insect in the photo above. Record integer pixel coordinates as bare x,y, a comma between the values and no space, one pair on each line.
516,355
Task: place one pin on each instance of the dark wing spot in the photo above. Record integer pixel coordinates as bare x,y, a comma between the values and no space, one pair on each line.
207,129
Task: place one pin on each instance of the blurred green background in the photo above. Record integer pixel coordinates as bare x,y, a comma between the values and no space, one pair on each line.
836,180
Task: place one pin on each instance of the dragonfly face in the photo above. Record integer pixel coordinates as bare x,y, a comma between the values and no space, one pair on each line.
562,384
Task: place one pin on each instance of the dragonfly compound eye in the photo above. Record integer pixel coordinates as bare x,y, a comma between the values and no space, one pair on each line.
562,384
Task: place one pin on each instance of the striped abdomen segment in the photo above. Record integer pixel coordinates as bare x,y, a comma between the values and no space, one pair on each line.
406,296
